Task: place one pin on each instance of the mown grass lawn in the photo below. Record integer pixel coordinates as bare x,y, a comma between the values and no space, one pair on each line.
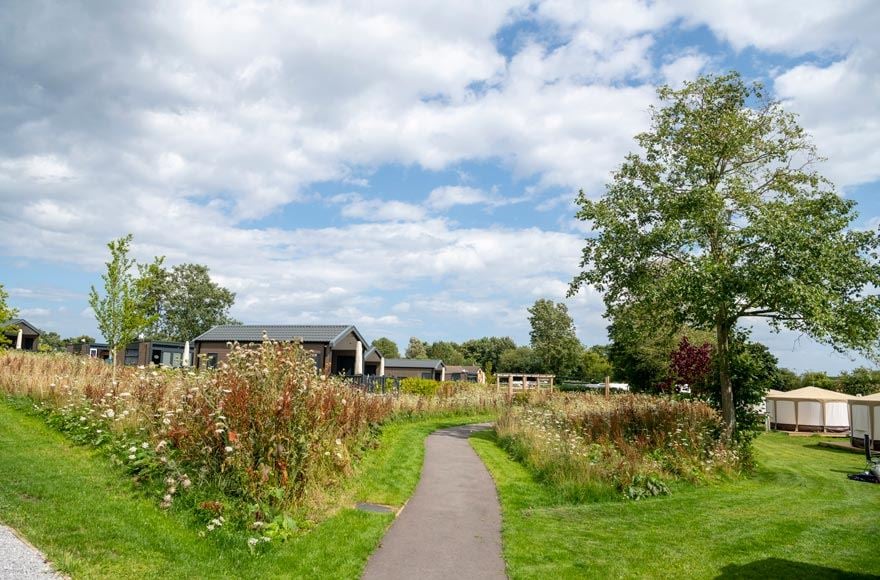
798,517
90,521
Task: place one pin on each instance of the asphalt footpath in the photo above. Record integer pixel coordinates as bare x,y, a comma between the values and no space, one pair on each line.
451,526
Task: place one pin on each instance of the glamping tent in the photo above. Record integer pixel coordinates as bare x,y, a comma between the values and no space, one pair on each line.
809,409
864,416
770,405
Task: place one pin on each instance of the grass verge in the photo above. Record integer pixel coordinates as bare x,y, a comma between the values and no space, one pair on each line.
91,522
797,517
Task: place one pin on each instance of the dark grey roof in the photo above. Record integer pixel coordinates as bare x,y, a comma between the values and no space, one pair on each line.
21,322
413,363
244,333
462,369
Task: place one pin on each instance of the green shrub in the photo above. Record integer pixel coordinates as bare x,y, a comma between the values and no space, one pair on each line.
419,386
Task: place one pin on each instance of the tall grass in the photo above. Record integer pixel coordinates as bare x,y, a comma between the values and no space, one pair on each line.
590,447
259,438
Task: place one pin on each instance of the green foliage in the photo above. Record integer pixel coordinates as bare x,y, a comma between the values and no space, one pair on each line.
51,342
639,350
387,347
120,313
419,386
183,302
753,370
416,349
449,352
520,360
817,379
553,338
788,380
861,381
594,365
720,216
487,351
6,313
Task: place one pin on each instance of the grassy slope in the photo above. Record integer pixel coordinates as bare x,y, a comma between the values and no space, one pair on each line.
798,517
91,523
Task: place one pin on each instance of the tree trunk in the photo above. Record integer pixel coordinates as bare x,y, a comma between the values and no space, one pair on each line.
113,371
728,415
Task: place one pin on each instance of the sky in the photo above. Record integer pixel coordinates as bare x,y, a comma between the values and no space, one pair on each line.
408,167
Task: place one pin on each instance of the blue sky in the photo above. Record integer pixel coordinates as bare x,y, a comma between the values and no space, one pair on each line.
410,168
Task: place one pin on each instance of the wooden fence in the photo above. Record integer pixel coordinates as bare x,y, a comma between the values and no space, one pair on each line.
515,382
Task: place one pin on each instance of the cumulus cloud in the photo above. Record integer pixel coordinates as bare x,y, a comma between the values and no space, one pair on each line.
205,129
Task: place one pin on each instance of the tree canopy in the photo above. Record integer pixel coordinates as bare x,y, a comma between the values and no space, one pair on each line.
416,348
487,351
184,301
721,215
387,347
553,337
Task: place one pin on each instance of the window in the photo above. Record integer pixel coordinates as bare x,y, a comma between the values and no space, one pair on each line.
427,375
211,360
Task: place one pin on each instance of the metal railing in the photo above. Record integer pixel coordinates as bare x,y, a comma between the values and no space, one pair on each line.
373,384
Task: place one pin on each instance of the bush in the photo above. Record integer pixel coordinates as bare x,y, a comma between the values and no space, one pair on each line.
588,446
419,386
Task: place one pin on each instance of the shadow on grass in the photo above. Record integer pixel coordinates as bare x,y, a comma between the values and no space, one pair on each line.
779,568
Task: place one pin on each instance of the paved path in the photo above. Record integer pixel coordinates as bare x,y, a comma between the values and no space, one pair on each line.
451,527
19,560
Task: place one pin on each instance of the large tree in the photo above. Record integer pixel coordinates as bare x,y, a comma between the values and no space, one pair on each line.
487,351
449,352
416,348
194,303
553,337
722,216
387,347
120,313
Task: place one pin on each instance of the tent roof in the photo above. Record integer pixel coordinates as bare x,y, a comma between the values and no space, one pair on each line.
772,392
874,397
812,394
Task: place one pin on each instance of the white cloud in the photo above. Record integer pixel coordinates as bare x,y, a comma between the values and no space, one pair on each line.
685,67
182,124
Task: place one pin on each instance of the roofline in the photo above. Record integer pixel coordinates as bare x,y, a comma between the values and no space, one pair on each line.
20,322
332,342
341,335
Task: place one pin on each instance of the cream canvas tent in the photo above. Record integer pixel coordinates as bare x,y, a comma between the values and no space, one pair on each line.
770,406
809,409
864,416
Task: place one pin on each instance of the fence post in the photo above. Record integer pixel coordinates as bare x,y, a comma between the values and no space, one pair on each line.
510,387
607,386
525,383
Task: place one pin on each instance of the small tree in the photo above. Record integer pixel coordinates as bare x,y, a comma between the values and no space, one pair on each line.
553,337
691,364
721,217
120,313
387,347
520,360
416,349
594,365
7,313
